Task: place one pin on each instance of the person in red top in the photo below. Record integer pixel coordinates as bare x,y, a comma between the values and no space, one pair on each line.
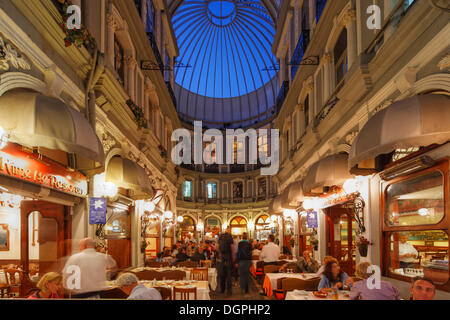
49,286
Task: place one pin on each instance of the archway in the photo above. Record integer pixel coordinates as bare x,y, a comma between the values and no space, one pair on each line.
238,226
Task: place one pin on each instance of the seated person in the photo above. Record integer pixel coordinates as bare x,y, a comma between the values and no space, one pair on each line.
334,277
422,289
362,290
128,283
325,260
49,286
304,264
198,255
182,256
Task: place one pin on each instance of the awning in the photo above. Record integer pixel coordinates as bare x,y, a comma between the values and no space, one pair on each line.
413,122
327,172
34,120
292,195
275,206
126,174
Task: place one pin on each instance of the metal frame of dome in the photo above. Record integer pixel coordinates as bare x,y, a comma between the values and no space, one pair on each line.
231,75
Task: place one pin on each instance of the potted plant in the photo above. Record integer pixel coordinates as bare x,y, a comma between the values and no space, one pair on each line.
363,246
315,243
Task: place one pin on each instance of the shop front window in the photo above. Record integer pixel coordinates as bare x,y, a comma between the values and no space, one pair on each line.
420,253
415,228
117,224
416,201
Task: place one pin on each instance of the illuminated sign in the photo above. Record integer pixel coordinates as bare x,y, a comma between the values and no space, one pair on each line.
35,168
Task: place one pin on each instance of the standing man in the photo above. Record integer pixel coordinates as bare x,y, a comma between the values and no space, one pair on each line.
88,269
225,261
406,252
244,258
270,252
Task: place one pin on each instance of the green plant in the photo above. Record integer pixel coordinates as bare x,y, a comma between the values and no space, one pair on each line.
138,114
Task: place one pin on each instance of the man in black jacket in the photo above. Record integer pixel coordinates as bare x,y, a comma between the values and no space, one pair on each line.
224,262
244,258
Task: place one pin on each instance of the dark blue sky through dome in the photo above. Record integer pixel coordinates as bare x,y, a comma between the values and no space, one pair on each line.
227,48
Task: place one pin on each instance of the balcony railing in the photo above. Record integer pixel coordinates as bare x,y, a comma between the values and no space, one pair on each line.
297,57
282,95
172,94
320,5
154,46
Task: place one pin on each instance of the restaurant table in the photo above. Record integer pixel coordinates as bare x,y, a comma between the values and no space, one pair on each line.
202,286
212,273
308,295
270,280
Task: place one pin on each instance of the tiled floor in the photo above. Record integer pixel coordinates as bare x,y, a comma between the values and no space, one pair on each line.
254,292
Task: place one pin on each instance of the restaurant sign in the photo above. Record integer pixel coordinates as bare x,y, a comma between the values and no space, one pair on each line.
311,219
35,168
335,199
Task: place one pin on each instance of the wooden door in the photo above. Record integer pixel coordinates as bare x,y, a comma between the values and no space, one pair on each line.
45,238
341,237
120,250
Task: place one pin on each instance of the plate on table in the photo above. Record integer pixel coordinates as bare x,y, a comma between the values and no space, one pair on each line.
320,294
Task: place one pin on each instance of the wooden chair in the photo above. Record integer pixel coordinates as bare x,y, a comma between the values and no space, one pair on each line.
259,271
187,264
166,293
283,256
206,263
14,282
173,275
255,257
271,269
156,264
149,275
184,293
290,284
199,274
279,293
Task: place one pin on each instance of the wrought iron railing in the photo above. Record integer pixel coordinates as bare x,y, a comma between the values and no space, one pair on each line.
172,94
151,38
297,57
320,5
282,95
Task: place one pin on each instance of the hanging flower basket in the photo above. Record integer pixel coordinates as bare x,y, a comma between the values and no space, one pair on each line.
363,246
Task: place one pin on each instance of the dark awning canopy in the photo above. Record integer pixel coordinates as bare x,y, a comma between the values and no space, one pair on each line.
414,122
129,175
292,196
327,172
34,120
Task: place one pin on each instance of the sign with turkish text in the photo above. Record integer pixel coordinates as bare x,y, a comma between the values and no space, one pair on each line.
311,219
32,167
97,211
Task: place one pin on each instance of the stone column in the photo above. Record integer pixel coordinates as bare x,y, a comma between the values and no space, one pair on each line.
349,22
131,65
327,78
112,26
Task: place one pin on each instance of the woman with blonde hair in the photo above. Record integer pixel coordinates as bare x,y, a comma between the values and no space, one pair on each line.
48,286
366,289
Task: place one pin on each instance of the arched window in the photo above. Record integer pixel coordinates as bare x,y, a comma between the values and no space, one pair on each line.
211,189
187,189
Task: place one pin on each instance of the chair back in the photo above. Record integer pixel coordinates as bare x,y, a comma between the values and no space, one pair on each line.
290,284
199,274
271,269
255,257
184,293
14,276
206,263
166,293
149,275
260,265
156,264
283,256
173,275
187,264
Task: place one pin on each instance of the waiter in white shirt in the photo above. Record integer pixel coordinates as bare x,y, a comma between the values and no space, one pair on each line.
406,252
85,272
270,252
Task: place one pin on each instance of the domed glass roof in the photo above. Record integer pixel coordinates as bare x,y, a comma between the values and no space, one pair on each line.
226,72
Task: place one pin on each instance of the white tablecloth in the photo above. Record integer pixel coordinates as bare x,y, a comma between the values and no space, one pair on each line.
273,277
305,295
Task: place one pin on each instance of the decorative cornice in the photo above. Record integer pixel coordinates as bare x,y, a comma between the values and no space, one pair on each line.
348,17
444,63
8,52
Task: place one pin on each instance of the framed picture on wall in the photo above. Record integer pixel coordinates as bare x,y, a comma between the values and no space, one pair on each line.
4,237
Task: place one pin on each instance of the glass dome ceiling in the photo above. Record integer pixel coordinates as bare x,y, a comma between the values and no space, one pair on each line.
226,72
